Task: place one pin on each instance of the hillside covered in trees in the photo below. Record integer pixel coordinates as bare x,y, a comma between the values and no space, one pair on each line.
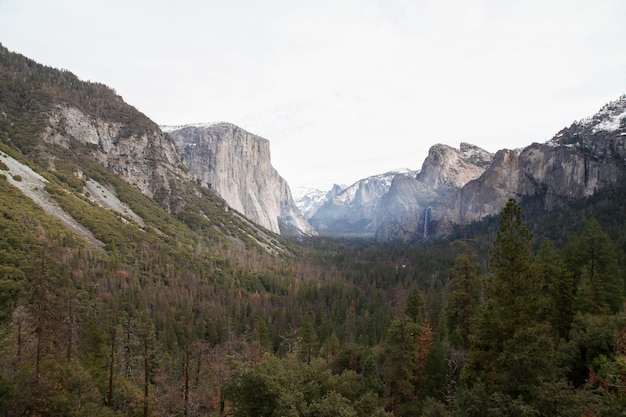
188,312
344,328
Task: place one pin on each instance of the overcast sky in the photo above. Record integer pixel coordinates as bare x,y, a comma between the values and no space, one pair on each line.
342,89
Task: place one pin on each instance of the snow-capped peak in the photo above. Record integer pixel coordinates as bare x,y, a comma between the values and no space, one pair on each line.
309,200
172,128
609,118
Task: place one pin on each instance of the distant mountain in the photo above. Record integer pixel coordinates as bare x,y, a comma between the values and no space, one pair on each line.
82,136
309,200
408,210
353,210
458,186
237,164
384,206
577,162
197,173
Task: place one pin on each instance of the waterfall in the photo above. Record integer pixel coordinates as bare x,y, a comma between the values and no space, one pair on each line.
426,221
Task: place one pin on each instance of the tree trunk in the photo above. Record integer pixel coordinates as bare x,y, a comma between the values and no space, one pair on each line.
111,368
127,350
70,322
186,382
146,380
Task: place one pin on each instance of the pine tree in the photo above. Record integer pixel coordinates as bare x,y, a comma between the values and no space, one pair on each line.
557,284
511,349
308,336
406,351
463,299
592,258
415,305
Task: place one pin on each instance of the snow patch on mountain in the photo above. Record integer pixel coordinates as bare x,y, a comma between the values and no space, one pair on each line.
308,200
611,123
172,128
609,118
380,182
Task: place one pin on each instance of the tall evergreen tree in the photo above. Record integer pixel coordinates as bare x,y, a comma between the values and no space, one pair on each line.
463,298
415,305
308,338
593,260
557,284
511,350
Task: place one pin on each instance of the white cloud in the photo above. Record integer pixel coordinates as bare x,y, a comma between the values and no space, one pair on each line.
342,89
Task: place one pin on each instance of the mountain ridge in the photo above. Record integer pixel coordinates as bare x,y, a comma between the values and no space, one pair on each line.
88,120
457,186
237,164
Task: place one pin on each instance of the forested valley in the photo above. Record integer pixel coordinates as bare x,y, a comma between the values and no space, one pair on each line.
186,314
492,323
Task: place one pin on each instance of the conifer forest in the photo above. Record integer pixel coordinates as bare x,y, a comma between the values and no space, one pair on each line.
521,314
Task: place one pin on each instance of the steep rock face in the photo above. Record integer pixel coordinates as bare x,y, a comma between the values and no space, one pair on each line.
309,200
486,195
405,210
148,160
578,161
417,207
403,205
354,210
602,135
450,167
237,165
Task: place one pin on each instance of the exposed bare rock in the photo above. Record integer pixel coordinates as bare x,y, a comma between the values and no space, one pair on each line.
405,210
33,185
354,210
458,186
149,161
405,205
237,164
449,167
578,161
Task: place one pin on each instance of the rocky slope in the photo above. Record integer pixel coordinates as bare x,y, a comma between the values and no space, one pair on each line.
578,161
458,186
449,167
146,159
353,211
412,208
237,164
96,152
394,204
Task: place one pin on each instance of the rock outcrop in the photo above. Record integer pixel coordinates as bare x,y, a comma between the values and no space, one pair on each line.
354,210
237,164
416,208
449,167
458,186
402,204
578,161
146,159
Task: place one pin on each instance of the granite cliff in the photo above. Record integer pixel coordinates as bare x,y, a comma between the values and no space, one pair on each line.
575,163
352,211
412,208
237,164
392,204
459,186
144,158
